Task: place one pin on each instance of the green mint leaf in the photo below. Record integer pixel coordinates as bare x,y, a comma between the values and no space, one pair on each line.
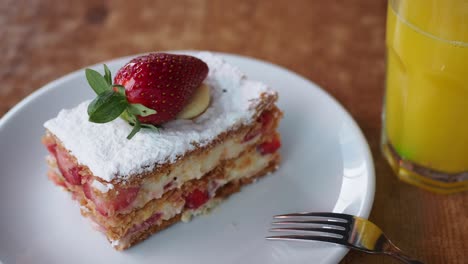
135,129
96,81
141,110
107,75
107,107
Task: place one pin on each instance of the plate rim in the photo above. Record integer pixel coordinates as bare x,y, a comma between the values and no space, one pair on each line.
369,196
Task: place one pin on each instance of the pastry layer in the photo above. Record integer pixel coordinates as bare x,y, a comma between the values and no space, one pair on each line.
177,200
125,198
185,215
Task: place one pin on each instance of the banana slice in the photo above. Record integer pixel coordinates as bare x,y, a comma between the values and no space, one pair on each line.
200,101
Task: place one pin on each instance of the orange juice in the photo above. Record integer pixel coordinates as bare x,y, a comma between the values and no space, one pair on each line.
426,104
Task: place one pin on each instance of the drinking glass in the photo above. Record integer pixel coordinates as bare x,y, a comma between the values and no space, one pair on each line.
425,120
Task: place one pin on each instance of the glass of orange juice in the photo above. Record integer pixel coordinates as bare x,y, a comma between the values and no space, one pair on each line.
425,121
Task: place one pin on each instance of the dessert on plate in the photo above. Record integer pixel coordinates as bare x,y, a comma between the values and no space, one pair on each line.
167,139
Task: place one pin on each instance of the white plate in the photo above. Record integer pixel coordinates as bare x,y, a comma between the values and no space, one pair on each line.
326,166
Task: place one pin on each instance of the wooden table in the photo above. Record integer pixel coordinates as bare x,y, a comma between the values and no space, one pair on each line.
337,44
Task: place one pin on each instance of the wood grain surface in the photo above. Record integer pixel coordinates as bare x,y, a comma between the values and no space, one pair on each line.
337,44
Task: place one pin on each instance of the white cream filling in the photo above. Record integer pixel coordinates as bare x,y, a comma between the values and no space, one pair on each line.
192,168
238,171
204,209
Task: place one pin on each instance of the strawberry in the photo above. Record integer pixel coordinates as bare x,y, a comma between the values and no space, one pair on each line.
146,224
99,204
55,178
123,198
266,122
196,198
50,144
162,82
269,147
147,92
67,168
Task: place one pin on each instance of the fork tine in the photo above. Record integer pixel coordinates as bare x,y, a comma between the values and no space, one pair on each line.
356,233
310,229
313,238
328,223
331,215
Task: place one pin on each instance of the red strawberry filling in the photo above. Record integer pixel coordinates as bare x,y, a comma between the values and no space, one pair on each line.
67,167
269,147
149,222
56,179
196,198
266,120
124,197
71,174
168,185
50,145
252,134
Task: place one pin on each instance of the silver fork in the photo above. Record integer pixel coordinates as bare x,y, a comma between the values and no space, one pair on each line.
348,230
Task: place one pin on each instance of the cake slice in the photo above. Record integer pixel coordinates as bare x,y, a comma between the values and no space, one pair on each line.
131,188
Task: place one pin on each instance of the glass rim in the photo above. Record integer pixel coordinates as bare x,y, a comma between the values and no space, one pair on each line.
457,43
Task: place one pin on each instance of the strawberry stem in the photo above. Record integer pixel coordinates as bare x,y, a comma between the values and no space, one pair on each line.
135,129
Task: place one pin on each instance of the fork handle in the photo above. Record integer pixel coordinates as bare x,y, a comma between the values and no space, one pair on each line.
404,258
398,254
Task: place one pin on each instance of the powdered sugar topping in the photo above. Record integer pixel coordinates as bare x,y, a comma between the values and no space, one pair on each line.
106,151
